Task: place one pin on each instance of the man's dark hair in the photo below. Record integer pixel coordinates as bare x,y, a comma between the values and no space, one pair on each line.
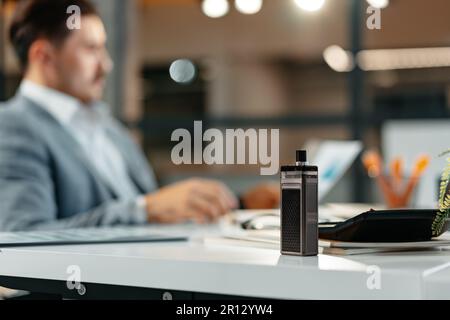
35,19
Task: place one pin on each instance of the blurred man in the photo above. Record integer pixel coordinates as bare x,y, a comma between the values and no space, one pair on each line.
64,162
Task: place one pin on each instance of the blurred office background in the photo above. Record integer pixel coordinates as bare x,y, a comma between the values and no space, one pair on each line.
287,64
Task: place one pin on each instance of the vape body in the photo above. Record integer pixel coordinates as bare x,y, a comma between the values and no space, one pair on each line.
299,208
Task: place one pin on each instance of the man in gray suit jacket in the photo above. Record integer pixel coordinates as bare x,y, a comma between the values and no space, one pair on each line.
64,162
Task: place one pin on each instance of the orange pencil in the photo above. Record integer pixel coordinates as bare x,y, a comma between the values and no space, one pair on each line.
374,166
419,168
397,172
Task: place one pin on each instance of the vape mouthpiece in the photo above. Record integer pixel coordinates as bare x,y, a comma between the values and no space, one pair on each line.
300,157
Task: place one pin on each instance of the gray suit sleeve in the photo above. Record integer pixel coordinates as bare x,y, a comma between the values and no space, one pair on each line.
27,199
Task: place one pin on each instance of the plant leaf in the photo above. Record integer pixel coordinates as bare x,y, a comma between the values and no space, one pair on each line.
444,199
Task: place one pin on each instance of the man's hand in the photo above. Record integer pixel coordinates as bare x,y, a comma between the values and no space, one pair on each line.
195,199
263,196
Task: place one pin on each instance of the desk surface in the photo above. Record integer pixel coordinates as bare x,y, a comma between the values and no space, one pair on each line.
242,271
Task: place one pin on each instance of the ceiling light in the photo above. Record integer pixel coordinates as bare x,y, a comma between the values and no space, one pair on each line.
410,58
248,6
338,59
310,5
182,71
215,8
380,4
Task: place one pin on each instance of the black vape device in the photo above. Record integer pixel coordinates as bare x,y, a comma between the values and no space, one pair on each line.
299,208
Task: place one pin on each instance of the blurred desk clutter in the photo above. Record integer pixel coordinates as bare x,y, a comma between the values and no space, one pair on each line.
254,228
261,229
270,219
364,229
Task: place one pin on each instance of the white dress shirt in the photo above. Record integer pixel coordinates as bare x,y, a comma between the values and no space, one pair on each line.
86,125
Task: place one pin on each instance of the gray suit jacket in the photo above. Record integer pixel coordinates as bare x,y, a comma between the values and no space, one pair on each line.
46,181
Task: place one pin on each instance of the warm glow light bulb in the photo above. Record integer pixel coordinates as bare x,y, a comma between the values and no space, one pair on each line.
248,6
380,4
215,8
310,5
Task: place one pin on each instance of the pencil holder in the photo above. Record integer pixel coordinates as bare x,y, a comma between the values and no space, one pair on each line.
396,187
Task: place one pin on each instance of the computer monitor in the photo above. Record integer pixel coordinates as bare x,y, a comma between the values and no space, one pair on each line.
334,158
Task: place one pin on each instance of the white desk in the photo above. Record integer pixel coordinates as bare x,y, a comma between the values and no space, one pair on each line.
226,270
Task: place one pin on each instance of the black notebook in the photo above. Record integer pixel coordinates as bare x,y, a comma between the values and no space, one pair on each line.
406,225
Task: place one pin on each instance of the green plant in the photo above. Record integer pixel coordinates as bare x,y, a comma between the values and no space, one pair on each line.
444,199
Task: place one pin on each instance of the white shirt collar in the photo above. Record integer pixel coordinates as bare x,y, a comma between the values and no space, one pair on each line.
60,105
